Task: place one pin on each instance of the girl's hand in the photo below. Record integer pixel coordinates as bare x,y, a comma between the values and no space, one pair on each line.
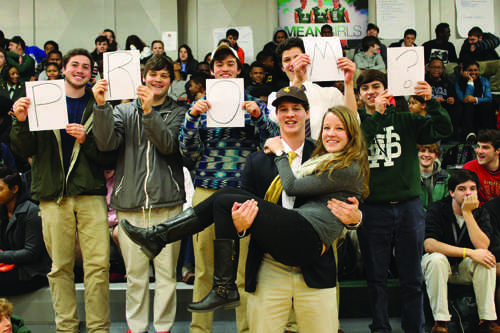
244,214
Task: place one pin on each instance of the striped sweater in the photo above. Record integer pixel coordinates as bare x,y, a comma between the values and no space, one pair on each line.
220,153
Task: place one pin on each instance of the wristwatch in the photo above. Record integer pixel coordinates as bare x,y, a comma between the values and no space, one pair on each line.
280,153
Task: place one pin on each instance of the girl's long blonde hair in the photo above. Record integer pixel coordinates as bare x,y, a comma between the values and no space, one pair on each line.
355,149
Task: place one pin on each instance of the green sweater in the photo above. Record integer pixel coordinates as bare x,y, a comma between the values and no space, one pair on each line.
392,140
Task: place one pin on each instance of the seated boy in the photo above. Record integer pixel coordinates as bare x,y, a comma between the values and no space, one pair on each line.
257,77
457,236
433,179
370,58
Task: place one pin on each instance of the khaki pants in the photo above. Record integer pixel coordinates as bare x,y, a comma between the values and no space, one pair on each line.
280,287
204,273
86,215
437,274
137,265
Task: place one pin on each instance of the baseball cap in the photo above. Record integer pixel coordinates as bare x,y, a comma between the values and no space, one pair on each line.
220,48
291,92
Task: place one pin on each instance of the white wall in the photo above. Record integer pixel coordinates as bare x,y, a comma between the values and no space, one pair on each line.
75,23
260,15
430,13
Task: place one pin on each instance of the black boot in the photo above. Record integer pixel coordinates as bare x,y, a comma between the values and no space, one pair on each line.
224,292
153,240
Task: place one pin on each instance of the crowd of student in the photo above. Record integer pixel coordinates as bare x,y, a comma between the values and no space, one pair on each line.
148,141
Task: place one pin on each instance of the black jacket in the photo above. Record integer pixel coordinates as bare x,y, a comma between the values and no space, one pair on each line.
485,48
19,91
21,239
260,170
493,208
439,225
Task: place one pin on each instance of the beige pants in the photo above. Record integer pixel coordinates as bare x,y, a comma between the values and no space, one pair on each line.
204,273
280,287
137,265
86,215
437,273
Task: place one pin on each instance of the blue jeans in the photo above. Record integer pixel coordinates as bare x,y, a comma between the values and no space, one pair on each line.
401,224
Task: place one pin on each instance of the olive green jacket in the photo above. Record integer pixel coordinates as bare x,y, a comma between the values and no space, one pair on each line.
49,183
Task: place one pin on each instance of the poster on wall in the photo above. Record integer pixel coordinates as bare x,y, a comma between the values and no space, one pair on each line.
394,17
245,40
169,38
474,13
304,18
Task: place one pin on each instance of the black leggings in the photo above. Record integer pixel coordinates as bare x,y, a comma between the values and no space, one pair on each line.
283,233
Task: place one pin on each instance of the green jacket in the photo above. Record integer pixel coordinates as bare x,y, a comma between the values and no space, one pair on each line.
26,69
392,140
439,183
49,183
18,325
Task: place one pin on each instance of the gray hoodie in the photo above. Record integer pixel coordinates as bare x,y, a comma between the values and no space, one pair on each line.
149,165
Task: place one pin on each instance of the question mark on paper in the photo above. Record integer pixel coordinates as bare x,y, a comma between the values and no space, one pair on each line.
409,55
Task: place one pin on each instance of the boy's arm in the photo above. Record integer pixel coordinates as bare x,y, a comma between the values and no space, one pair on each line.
489,42
349,68
164,134
379,62
108,127
372,124
486,93
267,128
190,143
435,127
23,142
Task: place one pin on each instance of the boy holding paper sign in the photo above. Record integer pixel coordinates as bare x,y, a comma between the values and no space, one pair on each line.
219,156
149,184
294,62
68,180
393,210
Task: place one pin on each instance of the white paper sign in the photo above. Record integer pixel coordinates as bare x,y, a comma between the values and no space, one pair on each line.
324,52
475,13
169,38
226,98
122,70
47,110
394,17
406,67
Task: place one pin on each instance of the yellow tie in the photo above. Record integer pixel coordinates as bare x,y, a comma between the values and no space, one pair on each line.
274,191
